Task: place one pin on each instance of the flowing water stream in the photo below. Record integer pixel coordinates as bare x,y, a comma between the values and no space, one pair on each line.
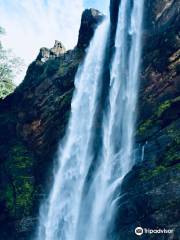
74,211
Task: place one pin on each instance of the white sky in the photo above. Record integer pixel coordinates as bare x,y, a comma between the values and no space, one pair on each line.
32,24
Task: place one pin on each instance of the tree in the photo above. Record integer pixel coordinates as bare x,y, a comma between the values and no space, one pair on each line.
2,31
10,66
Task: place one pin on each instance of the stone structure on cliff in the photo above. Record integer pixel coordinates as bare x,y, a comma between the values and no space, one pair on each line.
34,117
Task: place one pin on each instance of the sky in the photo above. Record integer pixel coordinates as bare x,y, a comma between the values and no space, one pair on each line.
32,24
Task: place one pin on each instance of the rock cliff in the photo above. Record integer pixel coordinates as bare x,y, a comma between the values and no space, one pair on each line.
34,118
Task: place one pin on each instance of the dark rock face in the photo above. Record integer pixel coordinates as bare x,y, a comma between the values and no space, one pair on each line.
114,11
90,19
33,119
160,15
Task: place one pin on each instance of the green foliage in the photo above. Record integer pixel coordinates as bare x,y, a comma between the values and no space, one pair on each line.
20,189
148,174
10,199
163,107
172,152
158,170
25,189
6,87
178,166
166,105
10,66
144,126
171,156
20,157
174,134
2,31
157,118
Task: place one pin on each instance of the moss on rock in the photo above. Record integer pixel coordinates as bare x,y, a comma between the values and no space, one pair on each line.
10,201
20,187
145,126
163,107
148,174
157,120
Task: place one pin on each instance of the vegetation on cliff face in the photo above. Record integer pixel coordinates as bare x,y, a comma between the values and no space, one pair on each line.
20,189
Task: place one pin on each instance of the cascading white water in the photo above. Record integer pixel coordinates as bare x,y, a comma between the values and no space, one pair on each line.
58,219
117,156
71,213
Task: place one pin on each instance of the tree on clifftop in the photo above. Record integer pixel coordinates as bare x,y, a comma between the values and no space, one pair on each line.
10,66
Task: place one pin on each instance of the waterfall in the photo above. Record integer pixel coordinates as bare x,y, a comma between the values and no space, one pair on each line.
59,218
70,212
117,156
